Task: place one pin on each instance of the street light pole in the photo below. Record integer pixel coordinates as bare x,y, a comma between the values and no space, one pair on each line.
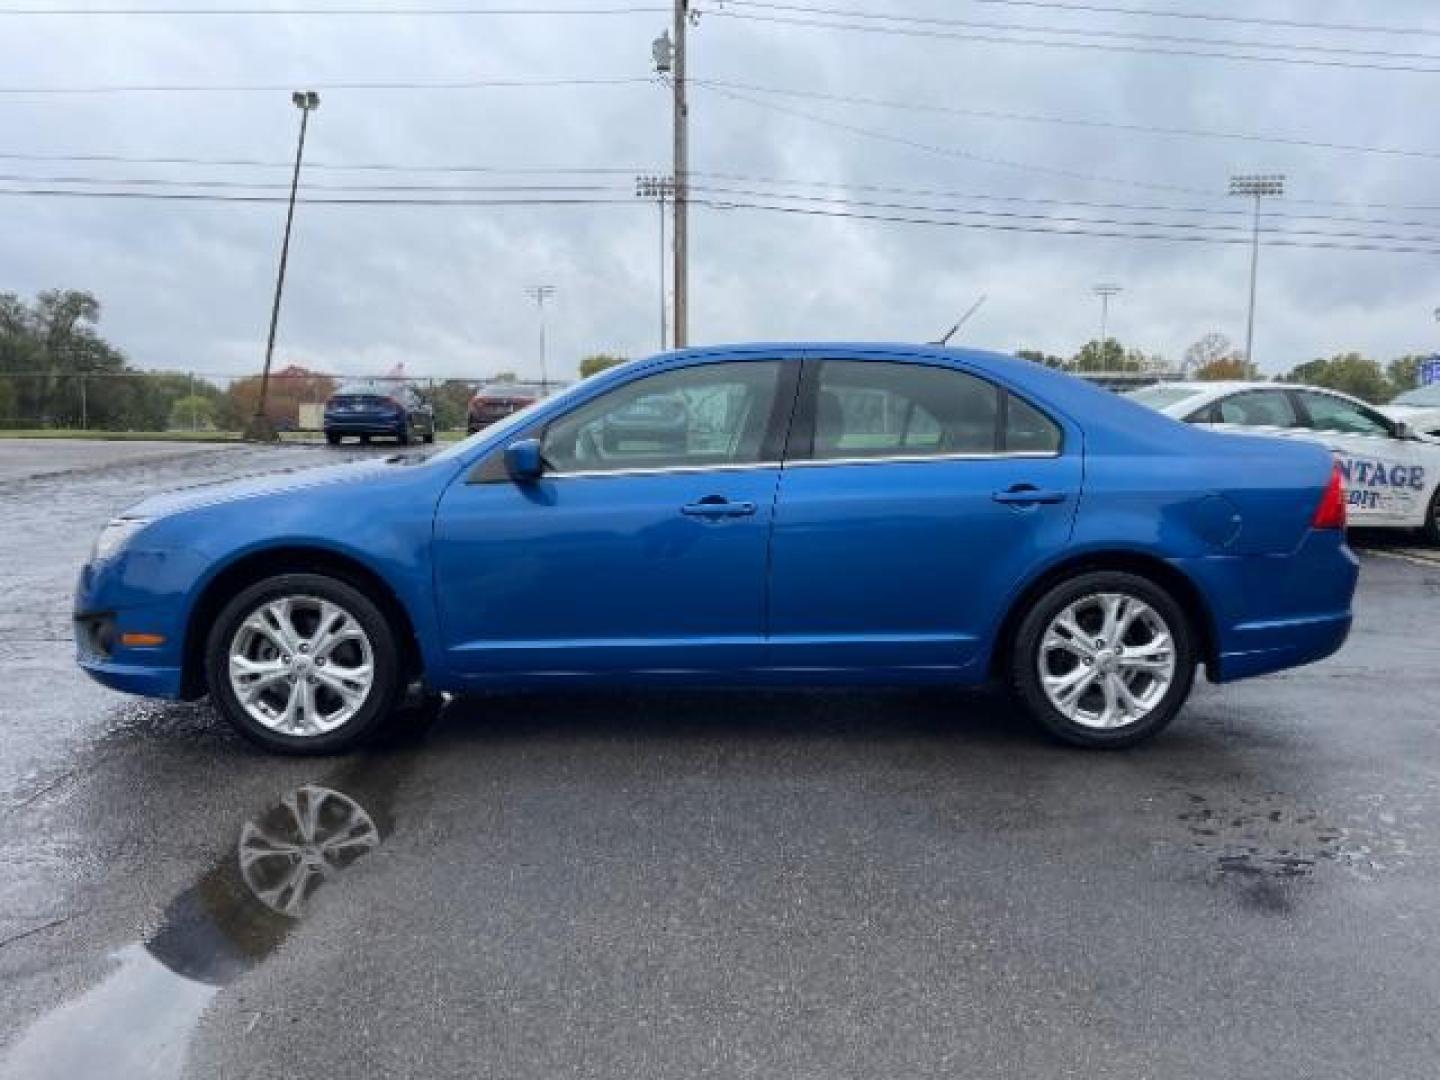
682,181
541,293
658,188
1105,292
260,428
1259,187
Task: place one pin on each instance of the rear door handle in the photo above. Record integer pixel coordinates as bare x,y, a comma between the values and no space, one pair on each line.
717,506
1028,495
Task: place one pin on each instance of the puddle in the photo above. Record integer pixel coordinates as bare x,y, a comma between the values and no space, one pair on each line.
1268,837
139,1019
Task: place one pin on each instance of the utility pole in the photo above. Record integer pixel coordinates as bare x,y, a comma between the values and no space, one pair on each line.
1260,187
659,188
1105,292
260,428
669,55
541,293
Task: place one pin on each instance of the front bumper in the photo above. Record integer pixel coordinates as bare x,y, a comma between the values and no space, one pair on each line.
141,592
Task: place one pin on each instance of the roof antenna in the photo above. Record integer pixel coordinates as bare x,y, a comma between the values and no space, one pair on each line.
945,339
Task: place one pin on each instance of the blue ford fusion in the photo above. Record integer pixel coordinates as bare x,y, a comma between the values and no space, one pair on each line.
807,514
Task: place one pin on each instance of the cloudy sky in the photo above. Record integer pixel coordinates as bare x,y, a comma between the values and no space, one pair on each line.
186,284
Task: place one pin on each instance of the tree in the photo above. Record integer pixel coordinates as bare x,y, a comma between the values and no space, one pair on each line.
192,412
1206,351
598,362
1349,373
1098,356
1233,367
290,387
1403,373
1035,356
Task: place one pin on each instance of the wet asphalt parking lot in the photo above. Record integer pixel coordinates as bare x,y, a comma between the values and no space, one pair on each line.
728,885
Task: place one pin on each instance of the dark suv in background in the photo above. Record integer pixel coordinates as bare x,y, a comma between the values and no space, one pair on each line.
393,411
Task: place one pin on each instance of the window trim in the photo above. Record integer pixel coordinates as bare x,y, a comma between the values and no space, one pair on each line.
800,445
490,469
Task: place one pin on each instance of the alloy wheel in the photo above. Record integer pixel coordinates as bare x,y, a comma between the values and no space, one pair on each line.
1106,660
301,665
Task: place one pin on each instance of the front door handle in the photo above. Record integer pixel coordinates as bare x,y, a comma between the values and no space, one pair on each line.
1027,495
717,506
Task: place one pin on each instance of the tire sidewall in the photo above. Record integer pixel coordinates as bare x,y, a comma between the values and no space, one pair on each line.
1430,531
1025,677
384,651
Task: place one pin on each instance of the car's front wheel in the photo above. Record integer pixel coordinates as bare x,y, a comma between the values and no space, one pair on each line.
1105,659
303,664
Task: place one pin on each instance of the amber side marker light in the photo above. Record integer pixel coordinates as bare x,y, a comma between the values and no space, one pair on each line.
142,640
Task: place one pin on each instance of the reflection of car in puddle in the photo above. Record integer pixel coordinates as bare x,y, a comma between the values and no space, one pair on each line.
138,1020
313,832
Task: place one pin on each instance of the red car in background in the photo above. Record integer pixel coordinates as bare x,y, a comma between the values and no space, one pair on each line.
499,400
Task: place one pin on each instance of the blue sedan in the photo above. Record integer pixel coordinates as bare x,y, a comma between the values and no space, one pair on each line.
807,515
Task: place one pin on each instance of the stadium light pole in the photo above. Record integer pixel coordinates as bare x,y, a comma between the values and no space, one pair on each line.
659,188
1105,292
541,293
1259,187
260,428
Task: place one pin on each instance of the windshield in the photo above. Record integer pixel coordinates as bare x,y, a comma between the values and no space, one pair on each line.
1425,396
1162,397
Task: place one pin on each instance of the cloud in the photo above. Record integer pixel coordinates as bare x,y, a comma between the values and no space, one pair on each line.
188,286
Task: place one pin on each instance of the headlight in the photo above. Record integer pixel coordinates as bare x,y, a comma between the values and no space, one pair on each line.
116,535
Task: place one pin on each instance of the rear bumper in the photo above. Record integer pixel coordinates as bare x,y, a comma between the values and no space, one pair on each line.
1272,612
1280,644
386,426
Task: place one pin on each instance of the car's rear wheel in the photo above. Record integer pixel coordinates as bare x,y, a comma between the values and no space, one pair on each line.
333,438
303,664
1430,531
1105,659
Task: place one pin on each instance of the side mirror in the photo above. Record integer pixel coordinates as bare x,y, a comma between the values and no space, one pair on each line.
524,461
1404,431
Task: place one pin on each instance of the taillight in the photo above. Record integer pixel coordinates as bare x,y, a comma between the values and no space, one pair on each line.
1330,514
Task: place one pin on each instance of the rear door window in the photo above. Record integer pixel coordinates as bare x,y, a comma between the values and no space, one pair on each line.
1256,408
879,409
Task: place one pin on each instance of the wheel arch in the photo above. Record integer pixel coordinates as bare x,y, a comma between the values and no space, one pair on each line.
1151,567
268,562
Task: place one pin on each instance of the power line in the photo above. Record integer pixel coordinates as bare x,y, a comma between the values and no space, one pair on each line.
856,209
1208,16
1182,226
347,12
1117,234
772,183
227,88
1078,31
1034,118
952,152
994,39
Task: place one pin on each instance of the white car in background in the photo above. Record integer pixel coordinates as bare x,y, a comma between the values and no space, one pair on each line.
1420,409
1392,474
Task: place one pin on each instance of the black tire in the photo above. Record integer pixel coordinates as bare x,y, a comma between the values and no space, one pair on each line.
1430,531
332,438
1025,659
385,688
430,437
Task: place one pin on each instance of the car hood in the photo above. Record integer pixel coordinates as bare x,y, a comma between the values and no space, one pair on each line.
1410,412
193,498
